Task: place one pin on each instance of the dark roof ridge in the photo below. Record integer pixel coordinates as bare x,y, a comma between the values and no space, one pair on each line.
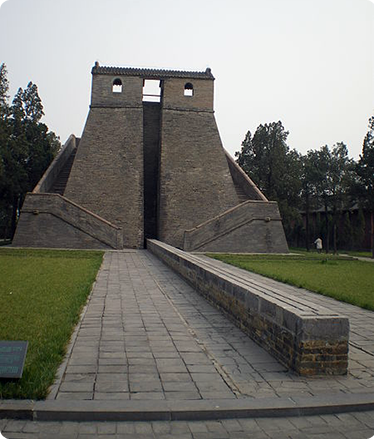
150,73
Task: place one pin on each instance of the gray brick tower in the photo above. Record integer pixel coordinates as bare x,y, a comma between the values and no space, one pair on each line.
149,170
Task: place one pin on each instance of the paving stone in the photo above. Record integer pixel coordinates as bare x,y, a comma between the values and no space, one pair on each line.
77,387
122,396
175,377
31,427
201,368
112,361
18,435
126,428
79,378
87,428
15,426
161,427
106,428
116,386
81,369
145,386
198,427
206,377
112,369
180,396
75,396
143,428
137,377
172,386
147,396
111,377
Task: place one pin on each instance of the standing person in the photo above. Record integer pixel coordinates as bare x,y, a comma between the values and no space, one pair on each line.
318,243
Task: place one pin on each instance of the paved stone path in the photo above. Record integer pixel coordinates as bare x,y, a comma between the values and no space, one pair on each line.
341,426
147,335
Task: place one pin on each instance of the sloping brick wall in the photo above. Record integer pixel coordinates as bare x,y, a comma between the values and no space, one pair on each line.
107,175
250,227
52,221
195,181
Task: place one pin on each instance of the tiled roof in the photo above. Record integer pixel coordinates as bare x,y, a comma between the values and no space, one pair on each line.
150,73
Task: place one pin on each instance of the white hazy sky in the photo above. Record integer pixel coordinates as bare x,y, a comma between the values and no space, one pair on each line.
308,63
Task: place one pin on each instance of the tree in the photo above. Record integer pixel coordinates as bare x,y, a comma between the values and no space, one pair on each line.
346,238
328,176
359,229
310,179
365,172
268,160
4,88
26,147
339,177
5,133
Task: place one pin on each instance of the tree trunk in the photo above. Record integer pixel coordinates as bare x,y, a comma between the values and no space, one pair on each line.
307,222
334,232
327,228
14,217
372,233
335,246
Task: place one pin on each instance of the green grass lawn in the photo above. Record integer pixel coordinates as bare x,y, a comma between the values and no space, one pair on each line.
363,254
344,279
42,293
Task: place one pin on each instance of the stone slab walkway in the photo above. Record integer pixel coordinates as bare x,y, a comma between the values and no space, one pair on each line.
339,426
147,341
147,335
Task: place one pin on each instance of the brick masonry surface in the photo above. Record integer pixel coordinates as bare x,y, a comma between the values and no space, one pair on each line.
107,174
153,170
195,181
304,337
50,220
254,225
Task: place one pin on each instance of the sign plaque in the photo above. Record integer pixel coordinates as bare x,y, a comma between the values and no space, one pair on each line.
12,358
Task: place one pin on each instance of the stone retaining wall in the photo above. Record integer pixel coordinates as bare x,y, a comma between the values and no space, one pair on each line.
250,227
304,337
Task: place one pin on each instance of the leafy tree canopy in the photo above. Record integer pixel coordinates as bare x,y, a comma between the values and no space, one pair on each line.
26,148
326,177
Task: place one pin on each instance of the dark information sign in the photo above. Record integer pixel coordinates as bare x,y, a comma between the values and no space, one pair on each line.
12,358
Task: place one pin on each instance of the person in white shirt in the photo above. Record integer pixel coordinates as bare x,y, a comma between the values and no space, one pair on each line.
318,243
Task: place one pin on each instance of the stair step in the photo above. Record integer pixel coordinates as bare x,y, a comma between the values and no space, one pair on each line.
242,196
59,185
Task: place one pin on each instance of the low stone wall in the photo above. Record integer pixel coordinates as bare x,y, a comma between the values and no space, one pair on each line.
304,337
46,182
53,221
250,227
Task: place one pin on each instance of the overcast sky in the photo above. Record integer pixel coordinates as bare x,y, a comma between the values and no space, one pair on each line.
308,63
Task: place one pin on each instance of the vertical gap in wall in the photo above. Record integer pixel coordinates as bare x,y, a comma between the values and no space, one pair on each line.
151,140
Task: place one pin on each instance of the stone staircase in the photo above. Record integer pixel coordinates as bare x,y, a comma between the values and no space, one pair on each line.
59,184
242,196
